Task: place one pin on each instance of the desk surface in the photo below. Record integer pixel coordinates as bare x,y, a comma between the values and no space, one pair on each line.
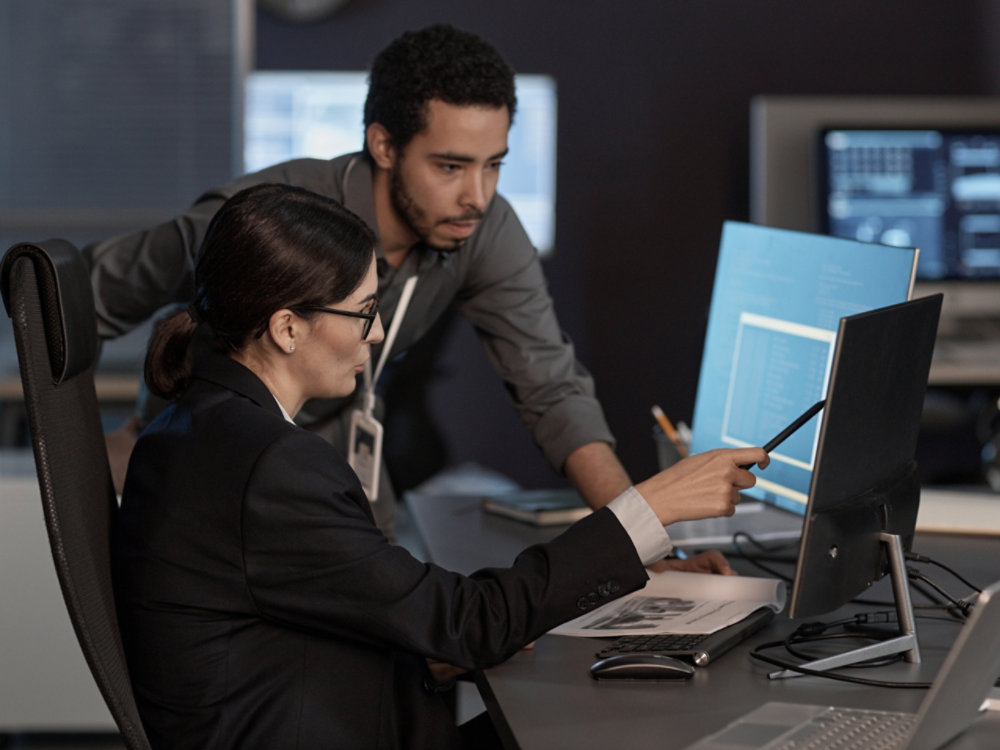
545,698
110,387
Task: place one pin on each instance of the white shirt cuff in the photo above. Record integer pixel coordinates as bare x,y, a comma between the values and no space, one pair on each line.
641,524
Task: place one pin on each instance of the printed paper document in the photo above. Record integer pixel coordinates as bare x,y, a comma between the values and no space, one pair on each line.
676,602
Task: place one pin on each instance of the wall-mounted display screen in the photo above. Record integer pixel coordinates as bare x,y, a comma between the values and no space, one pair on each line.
292,114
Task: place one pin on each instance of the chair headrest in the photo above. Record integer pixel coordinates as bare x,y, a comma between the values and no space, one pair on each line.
67,303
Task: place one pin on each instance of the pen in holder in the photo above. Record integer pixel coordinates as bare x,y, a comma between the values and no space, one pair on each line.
667,453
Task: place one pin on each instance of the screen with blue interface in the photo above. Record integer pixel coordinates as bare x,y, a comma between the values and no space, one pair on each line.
290,114
938,190
776,305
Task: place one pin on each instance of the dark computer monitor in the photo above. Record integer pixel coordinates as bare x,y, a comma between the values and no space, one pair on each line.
864,490
929,187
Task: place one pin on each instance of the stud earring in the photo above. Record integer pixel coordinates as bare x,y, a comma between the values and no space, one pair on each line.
291,348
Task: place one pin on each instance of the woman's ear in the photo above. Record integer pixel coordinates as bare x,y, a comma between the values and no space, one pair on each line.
283,328
380,146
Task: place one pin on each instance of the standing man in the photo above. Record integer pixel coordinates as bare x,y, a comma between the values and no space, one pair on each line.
439,107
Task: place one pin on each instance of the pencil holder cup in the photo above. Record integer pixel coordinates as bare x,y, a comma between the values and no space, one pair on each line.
666,452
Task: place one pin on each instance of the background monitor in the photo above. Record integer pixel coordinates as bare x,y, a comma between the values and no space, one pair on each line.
933,188
291,114
787,190
865,480
776,306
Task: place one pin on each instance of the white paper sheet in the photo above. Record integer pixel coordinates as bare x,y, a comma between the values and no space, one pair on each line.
675,602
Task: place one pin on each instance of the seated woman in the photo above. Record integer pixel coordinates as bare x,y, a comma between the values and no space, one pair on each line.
260,606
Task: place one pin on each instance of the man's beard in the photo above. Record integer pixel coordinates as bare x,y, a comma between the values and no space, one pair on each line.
416,218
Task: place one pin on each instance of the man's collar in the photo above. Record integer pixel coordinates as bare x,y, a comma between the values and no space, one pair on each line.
359,194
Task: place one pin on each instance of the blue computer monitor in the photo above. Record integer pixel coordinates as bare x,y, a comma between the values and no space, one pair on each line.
295,113
776,306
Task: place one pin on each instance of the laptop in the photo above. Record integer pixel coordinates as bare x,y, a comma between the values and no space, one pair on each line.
953,702
777,301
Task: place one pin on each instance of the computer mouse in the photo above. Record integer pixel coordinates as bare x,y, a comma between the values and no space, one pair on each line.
641,667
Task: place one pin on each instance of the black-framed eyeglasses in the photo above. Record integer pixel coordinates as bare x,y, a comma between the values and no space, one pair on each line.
368,315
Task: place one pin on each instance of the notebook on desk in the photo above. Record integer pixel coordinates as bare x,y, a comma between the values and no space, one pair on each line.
777,301
949,708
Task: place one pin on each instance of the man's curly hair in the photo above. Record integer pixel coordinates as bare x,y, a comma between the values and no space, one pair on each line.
438,62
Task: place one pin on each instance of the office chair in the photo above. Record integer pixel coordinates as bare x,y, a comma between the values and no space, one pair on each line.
46,292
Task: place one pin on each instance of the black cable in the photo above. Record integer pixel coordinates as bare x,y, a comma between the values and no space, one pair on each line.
958,607
914,557
811,632
781,545
814,631
922,613
914,580
755,560
962,606
756,653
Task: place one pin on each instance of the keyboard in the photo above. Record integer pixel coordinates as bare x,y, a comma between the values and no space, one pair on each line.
698,648
849,728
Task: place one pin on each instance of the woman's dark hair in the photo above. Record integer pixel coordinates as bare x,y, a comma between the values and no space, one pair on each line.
268,247
438,62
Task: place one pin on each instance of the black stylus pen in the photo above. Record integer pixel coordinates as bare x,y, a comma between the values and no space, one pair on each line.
778,439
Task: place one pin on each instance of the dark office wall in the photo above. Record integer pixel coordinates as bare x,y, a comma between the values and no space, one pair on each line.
653,156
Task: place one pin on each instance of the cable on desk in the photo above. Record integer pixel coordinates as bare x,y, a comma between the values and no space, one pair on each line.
756,560
956,606
960,608
914,557
812,632
757,653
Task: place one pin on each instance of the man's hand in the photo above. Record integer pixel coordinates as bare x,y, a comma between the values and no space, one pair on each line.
709,561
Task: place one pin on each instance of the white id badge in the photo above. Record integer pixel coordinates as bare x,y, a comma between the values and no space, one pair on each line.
364,452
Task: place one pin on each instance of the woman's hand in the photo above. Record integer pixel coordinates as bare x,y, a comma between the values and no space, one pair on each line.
702,486
443,672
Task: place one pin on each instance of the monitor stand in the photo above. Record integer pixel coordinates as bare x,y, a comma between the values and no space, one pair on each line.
905,643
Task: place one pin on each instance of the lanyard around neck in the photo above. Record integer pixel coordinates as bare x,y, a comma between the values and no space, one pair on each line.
390,339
